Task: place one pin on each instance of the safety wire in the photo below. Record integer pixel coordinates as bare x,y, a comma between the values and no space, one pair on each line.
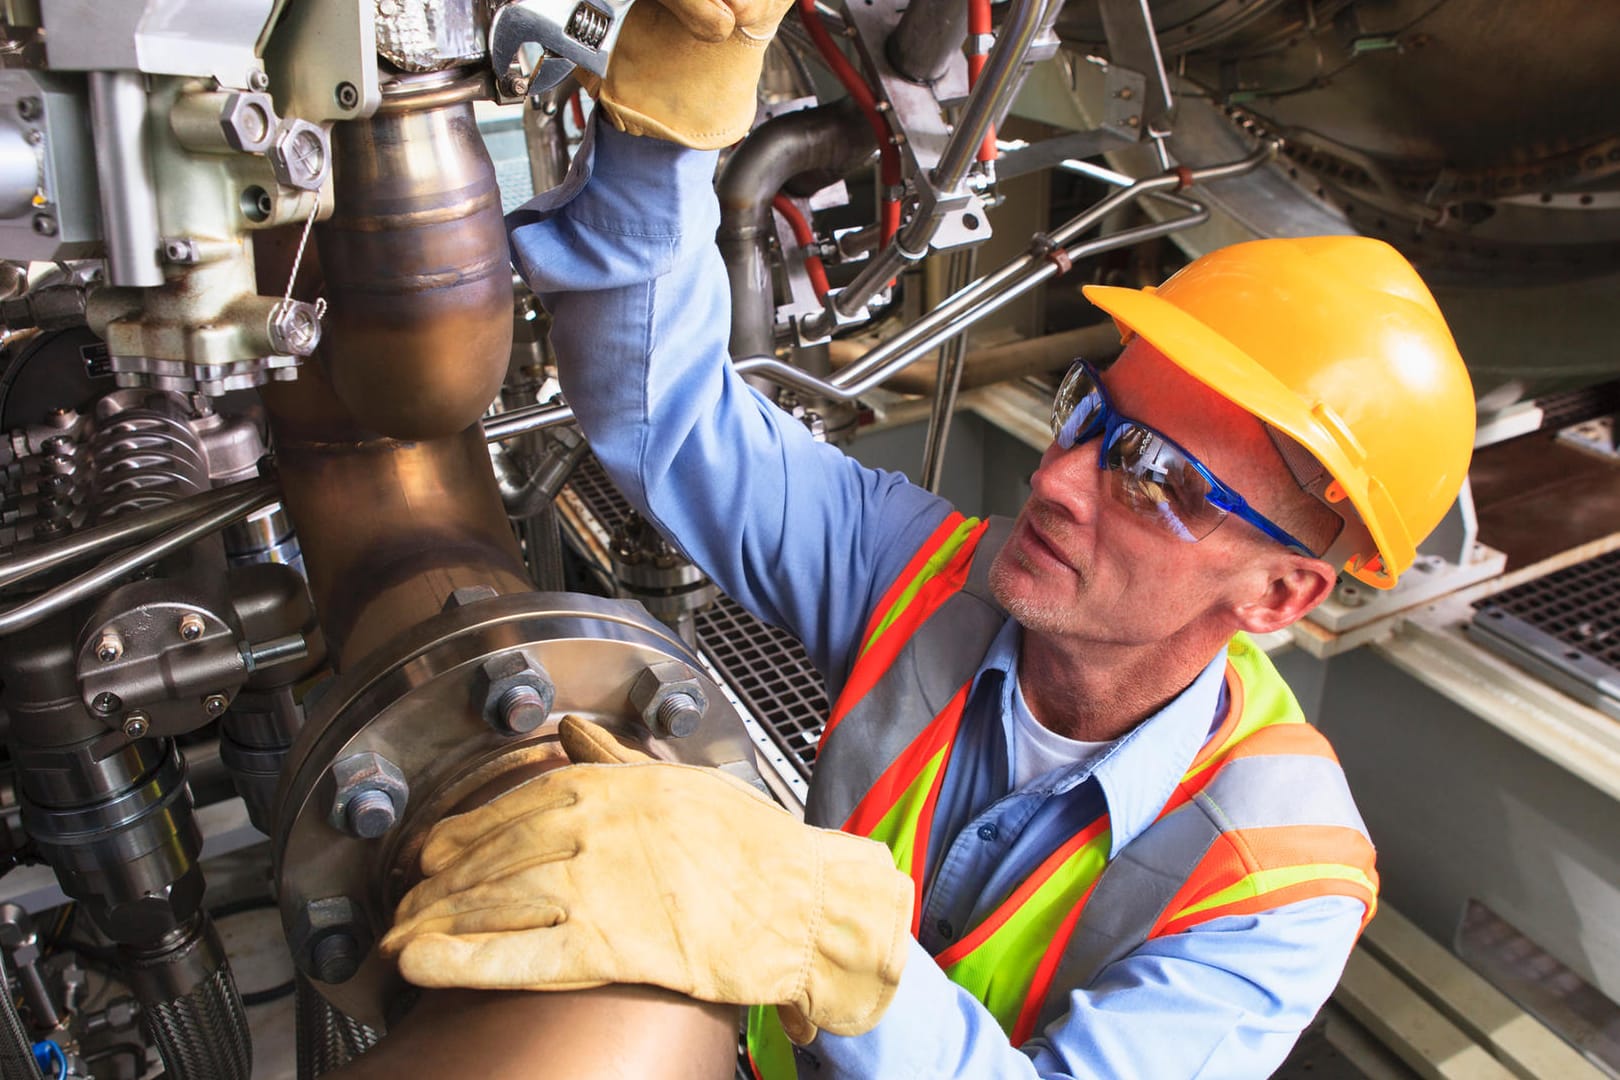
298,258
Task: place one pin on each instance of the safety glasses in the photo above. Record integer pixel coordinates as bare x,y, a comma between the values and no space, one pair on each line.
1146,471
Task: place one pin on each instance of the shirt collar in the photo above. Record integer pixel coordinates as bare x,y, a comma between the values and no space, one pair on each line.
1140,771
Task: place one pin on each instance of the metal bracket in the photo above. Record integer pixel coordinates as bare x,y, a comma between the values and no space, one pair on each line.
1133,44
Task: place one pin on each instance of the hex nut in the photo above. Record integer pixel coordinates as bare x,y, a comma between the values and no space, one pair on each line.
507,672
330,937
301,155
655,686
249,122
357,775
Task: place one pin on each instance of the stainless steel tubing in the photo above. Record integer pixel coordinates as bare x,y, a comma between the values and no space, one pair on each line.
108,573
123,531
963,266
129,214
16,1048
1031,272
958,312
986,106
834,138
930,33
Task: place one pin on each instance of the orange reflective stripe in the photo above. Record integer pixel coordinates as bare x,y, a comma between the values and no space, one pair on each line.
1243,859
952,522
1229,723
895,627
1027,888
1294,739
900,774
1041,984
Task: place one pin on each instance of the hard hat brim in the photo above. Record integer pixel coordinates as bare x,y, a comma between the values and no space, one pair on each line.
1210,358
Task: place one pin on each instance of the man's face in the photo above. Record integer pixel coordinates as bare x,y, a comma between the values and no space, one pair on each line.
1081,564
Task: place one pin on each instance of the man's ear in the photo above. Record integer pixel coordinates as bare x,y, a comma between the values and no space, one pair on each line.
1294,585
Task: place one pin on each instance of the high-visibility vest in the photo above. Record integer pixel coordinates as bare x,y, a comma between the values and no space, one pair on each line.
1261,818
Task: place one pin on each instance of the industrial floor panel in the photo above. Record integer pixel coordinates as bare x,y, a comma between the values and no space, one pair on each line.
1564,626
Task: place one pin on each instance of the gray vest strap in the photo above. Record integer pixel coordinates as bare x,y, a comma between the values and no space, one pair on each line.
934,664
1136,889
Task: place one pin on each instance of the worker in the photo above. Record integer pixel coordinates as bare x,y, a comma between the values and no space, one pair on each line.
1066,819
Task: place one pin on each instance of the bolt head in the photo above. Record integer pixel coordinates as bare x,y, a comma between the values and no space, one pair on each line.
110,647
346,95
370,814
367,786
335,919
299,155
137,724
106,703
216,704
44,224
258,80
30,108
191,626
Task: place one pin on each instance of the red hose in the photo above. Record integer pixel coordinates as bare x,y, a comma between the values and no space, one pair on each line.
979,26
863,97
577,109
806,240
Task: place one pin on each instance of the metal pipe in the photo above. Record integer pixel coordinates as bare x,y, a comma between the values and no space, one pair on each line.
957,312
929,36
123,531
419,330
833,138
986,106
129,210
108,573
962,267
999,363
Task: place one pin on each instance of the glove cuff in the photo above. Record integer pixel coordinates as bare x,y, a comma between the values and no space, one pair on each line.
860,942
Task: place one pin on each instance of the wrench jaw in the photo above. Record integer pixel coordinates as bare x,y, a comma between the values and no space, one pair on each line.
535,44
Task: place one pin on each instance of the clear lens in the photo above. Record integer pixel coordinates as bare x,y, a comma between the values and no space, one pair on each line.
1078,386
1157,480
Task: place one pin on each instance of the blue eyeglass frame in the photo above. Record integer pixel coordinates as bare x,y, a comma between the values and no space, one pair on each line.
1108,421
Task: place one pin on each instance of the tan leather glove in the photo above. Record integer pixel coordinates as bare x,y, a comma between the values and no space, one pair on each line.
673,875
688,70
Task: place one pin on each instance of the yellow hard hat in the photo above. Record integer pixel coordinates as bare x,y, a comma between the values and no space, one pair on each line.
1335,342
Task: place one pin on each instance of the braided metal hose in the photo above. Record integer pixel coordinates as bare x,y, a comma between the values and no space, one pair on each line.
327,1037
16,1048
190,1007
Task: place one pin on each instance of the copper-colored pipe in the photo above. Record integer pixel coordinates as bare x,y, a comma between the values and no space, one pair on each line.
419,286
996,364
617,1031
389,528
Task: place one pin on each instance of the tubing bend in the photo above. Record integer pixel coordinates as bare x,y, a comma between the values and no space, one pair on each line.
828,138
930,34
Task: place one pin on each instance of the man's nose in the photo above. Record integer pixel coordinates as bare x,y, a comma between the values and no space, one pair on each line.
1069,479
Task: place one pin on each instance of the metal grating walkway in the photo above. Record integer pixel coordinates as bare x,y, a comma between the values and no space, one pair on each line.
765,667
1565,627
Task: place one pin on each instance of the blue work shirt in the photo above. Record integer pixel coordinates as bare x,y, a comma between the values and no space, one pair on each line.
623,256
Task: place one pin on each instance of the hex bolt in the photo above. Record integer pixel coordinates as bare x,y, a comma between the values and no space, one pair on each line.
522,709
191,626
346,95
106,703
29,108
110,647
136,724
678,716
369,797
258,80
336,957
215,704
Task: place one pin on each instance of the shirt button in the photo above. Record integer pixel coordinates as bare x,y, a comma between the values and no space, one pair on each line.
944,928
988,832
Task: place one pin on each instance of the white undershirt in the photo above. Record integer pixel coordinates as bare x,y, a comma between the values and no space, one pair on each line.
1037,750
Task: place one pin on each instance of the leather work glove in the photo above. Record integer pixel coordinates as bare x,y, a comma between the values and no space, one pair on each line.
673,875
688,70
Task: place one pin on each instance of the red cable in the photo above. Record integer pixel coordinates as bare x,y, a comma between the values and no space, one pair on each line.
577,109
806,240
862,95
979,26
